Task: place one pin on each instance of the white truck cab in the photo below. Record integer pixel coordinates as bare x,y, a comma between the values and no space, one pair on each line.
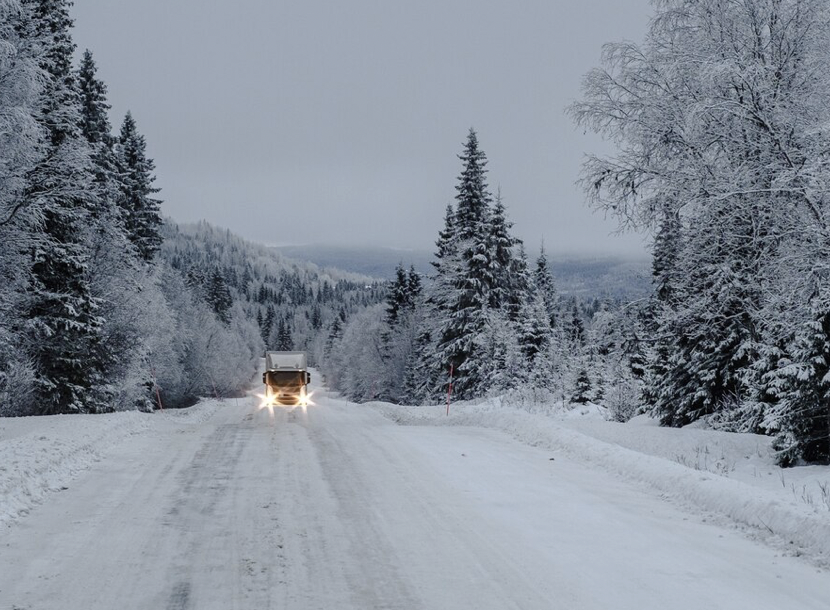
286,378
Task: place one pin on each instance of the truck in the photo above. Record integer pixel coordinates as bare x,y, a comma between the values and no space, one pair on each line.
286,378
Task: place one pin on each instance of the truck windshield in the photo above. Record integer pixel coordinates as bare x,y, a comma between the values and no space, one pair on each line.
285,378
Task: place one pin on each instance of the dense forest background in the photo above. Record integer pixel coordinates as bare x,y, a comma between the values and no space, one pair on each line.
105,305
720,120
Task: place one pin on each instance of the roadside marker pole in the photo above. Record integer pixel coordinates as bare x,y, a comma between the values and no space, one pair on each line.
449,392
156,386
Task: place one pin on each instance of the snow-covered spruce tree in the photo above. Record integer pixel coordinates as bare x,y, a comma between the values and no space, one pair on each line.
534,329
798,380
64,329
285,342
802,417
447,242
477,271
546,286
95,124
668,240
401,353
332,356
582,391
537,341
398,297
398,337
218,296
575,327
723,113
426,374
414,286
116,277
96,128
465,277
712,323
472,197
509,278
141,211
667,243
335,334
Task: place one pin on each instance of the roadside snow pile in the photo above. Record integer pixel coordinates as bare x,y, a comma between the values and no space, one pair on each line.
732,475
42,455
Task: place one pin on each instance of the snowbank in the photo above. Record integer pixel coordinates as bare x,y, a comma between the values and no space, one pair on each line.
730,475
42,455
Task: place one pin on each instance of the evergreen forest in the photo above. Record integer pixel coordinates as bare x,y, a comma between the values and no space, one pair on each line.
719,119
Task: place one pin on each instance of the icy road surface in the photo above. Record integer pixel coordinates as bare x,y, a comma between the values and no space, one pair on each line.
340,508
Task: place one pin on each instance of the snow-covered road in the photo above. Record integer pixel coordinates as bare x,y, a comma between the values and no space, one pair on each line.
341,508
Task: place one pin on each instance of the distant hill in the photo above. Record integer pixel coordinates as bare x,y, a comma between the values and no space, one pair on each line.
585,277
372,261
604,277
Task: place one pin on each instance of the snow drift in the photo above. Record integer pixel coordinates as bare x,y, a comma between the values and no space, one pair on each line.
43,455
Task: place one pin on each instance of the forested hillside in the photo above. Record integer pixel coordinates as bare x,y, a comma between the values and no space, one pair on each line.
737,328
722,120
491,322
79,228
294,304
104,306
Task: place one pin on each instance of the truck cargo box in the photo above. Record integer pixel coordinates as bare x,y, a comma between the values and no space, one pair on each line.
294,361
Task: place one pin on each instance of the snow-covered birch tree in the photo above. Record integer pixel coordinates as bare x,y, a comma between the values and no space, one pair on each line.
720,119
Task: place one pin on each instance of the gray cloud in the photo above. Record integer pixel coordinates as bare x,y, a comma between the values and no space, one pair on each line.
339,121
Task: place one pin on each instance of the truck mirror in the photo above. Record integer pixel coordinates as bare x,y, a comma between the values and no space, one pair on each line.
263,378
308,377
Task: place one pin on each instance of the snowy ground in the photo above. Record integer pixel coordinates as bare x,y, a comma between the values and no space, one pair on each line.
730,478
225,506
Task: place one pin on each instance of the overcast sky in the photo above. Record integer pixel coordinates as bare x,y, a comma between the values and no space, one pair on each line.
340,121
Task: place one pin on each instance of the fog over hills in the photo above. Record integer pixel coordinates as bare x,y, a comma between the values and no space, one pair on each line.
583,276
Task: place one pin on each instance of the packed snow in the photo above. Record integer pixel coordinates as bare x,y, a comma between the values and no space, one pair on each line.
43,455
731,476
226,505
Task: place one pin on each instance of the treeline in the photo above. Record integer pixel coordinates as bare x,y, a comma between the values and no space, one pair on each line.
91,318
289,305
722,118
489,319
103,306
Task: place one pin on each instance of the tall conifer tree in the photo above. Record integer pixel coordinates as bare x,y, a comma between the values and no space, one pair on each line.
142,211
506,285
472,197
546,286
64,329
468,279
96,128
398,296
